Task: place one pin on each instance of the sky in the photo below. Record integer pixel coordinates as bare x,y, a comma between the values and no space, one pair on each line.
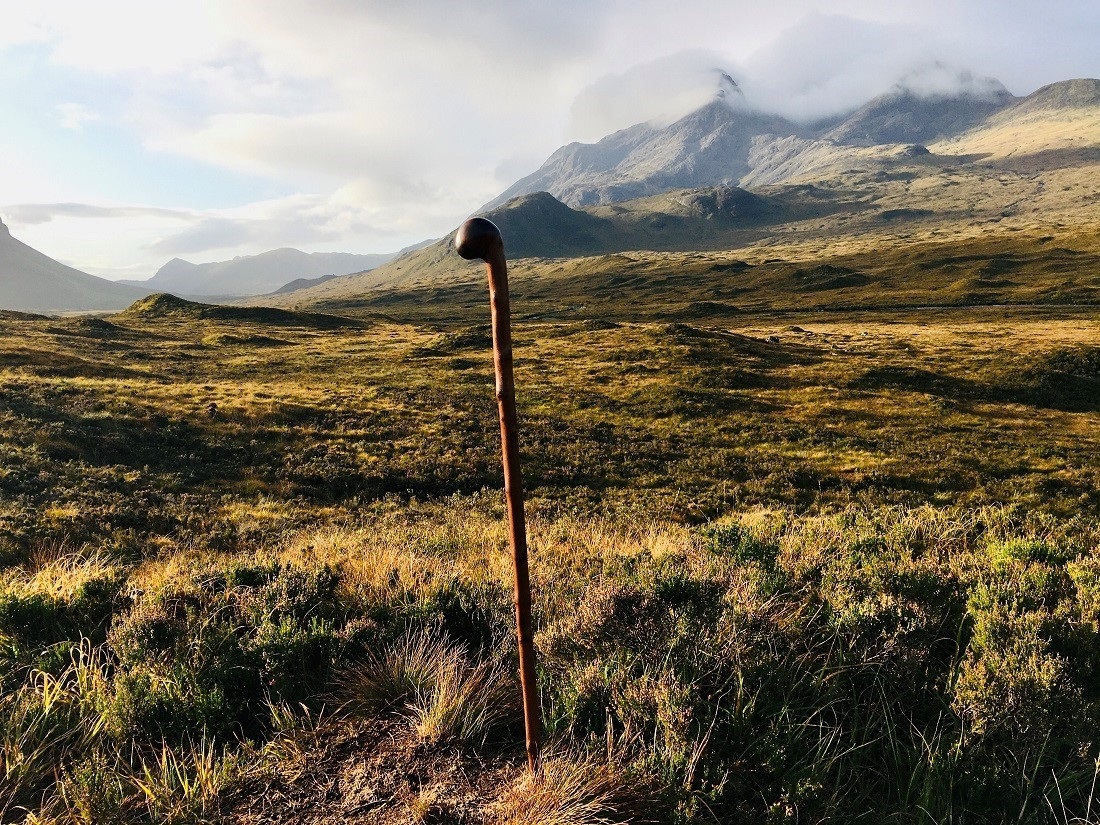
135,131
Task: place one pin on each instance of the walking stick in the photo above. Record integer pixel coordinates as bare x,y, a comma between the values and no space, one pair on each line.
479,238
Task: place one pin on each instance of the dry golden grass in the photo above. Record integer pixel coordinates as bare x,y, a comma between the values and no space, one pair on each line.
569,789
1038,131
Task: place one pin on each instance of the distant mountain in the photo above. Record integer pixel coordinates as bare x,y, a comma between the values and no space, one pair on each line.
806,187
303,283
1081,93
1060,118
905,116
33,282
708,147
726,142
255,274
541,226
163,305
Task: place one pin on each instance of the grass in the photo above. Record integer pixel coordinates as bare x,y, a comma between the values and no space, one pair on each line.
794,566
572,790
446,694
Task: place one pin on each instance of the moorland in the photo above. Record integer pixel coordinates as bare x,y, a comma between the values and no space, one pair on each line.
814,515
788,565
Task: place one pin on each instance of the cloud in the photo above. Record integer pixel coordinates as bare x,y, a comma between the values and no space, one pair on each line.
209,233
23,24
115,36
660,90
323,146
299,221
32,214
826,64
829,64
390,121
73,116
938,79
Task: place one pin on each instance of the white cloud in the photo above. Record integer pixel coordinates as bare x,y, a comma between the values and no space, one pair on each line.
32,214
659,90
392,120
73,116
113,36
23,23
938,79
302,221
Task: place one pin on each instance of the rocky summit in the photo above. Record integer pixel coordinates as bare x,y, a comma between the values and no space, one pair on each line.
728,142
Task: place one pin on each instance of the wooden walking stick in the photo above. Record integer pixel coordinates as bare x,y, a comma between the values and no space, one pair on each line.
479,238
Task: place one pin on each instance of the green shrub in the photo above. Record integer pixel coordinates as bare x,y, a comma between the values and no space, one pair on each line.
1029,550
294,660
1018,693
149,632
165,704
92,792
741,545
31,619
298,594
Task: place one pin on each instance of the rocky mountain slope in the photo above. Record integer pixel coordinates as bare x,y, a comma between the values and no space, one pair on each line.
718,144
1030,167
1061,117
33,282
255,274
708,147
541,226
904,116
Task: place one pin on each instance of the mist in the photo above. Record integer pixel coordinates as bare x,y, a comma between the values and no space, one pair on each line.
659,92
821,67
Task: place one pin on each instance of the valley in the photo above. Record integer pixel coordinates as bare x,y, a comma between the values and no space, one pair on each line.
812,459
843,504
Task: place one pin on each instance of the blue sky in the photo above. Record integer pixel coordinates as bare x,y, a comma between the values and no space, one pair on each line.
133,132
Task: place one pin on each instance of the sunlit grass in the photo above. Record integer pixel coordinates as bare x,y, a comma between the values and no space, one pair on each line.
788,563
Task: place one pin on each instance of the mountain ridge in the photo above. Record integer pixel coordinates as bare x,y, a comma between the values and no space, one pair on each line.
903,116
31,281
1012,170
706,147
258,274
719,143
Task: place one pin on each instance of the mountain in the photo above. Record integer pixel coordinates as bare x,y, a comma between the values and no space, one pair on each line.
787,160
255,274
303,283
905,116
708,147
541,226
1060,118
33,282
726,142
161,305
1007,165
1081,93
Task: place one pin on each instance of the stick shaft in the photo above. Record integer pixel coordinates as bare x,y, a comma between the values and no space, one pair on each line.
497,269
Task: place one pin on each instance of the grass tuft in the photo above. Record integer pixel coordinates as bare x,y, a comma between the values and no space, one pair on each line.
446,693
575,790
